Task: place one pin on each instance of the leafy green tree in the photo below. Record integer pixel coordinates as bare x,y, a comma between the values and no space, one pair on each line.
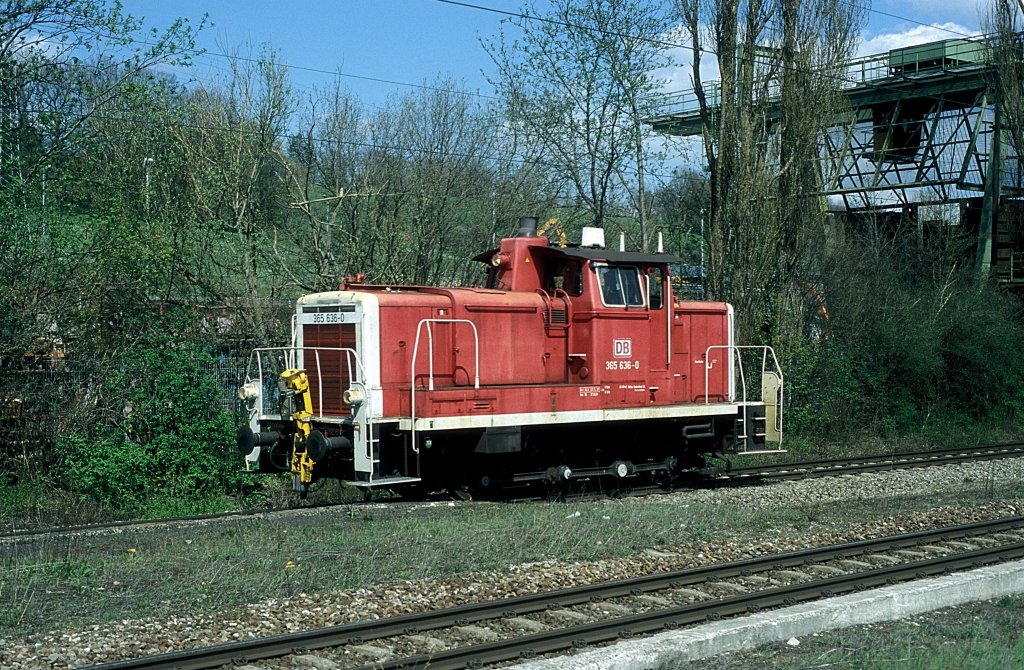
75,254
66,68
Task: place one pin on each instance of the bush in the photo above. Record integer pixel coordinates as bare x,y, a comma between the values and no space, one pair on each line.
822,388
169,438
909,344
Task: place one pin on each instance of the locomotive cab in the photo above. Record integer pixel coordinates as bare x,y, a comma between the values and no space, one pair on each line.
571,362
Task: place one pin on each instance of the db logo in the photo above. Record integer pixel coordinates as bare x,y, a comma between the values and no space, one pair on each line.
622,348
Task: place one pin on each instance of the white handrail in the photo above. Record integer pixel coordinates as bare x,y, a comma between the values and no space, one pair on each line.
319,382
289,355
430,379
735,354
735,350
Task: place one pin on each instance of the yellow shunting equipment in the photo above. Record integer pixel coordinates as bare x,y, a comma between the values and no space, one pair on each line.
296,381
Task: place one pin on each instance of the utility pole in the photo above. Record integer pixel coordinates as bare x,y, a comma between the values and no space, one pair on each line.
146,163
990,203
703,270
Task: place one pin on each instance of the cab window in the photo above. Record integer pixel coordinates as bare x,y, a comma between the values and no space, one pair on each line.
567,276
656,287
620,285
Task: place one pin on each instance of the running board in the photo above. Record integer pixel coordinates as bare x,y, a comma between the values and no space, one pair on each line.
385,481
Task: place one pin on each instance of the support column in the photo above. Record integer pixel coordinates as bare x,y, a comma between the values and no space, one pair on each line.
993,187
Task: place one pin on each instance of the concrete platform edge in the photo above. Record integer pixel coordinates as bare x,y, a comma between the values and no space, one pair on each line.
884,604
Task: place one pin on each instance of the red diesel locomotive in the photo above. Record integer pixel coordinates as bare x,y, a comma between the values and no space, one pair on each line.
573,362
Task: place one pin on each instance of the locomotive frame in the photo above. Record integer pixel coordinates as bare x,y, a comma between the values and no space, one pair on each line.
571,363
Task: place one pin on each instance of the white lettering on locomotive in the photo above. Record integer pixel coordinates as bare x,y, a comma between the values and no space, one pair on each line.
327,317
622,365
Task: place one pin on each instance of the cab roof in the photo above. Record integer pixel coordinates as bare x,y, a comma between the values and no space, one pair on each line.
593,254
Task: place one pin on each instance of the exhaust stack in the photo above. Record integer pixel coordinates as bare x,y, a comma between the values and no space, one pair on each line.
527,226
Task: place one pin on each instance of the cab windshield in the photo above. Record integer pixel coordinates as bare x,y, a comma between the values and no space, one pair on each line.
620,286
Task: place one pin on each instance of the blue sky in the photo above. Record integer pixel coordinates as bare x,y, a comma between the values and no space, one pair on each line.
414,41
409,41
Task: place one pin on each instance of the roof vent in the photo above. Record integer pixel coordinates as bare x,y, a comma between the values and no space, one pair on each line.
592,237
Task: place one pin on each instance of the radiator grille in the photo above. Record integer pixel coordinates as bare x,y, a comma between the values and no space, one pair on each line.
331,378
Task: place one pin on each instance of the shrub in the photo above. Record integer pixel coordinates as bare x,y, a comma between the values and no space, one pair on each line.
908,344
822,388
112,471
166,436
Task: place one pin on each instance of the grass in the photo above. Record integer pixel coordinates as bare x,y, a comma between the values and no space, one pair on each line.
42,504
977,636
152,573
163,572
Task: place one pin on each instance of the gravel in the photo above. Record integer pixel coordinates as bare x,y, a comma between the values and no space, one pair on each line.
129,638
869,486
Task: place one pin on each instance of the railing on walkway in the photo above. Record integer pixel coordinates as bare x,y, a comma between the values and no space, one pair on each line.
912,61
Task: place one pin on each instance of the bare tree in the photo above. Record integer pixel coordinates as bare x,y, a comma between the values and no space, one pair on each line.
321,171
780,63
578,85
231,137
401,192
1005,25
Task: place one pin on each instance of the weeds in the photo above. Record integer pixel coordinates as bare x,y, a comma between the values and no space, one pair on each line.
245,561
978,636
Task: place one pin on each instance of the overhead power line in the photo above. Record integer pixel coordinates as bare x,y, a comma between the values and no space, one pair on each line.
286,136
684,45
478,7
315,70
565,24
527,17
872,10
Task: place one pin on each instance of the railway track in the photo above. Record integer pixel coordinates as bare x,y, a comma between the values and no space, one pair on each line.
736,476
474,635
31,533
877,463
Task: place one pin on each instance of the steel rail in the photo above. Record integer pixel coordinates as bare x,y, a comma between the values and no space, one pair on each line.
880,463
109,525
657,621
358,632
795,470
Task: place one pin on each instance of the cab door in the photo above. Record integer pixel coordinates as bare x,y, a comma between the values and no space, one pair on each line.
659,307
622,332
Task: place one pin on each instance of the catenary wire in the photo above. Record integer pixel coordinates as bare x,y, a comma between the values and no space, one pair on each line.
469,93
